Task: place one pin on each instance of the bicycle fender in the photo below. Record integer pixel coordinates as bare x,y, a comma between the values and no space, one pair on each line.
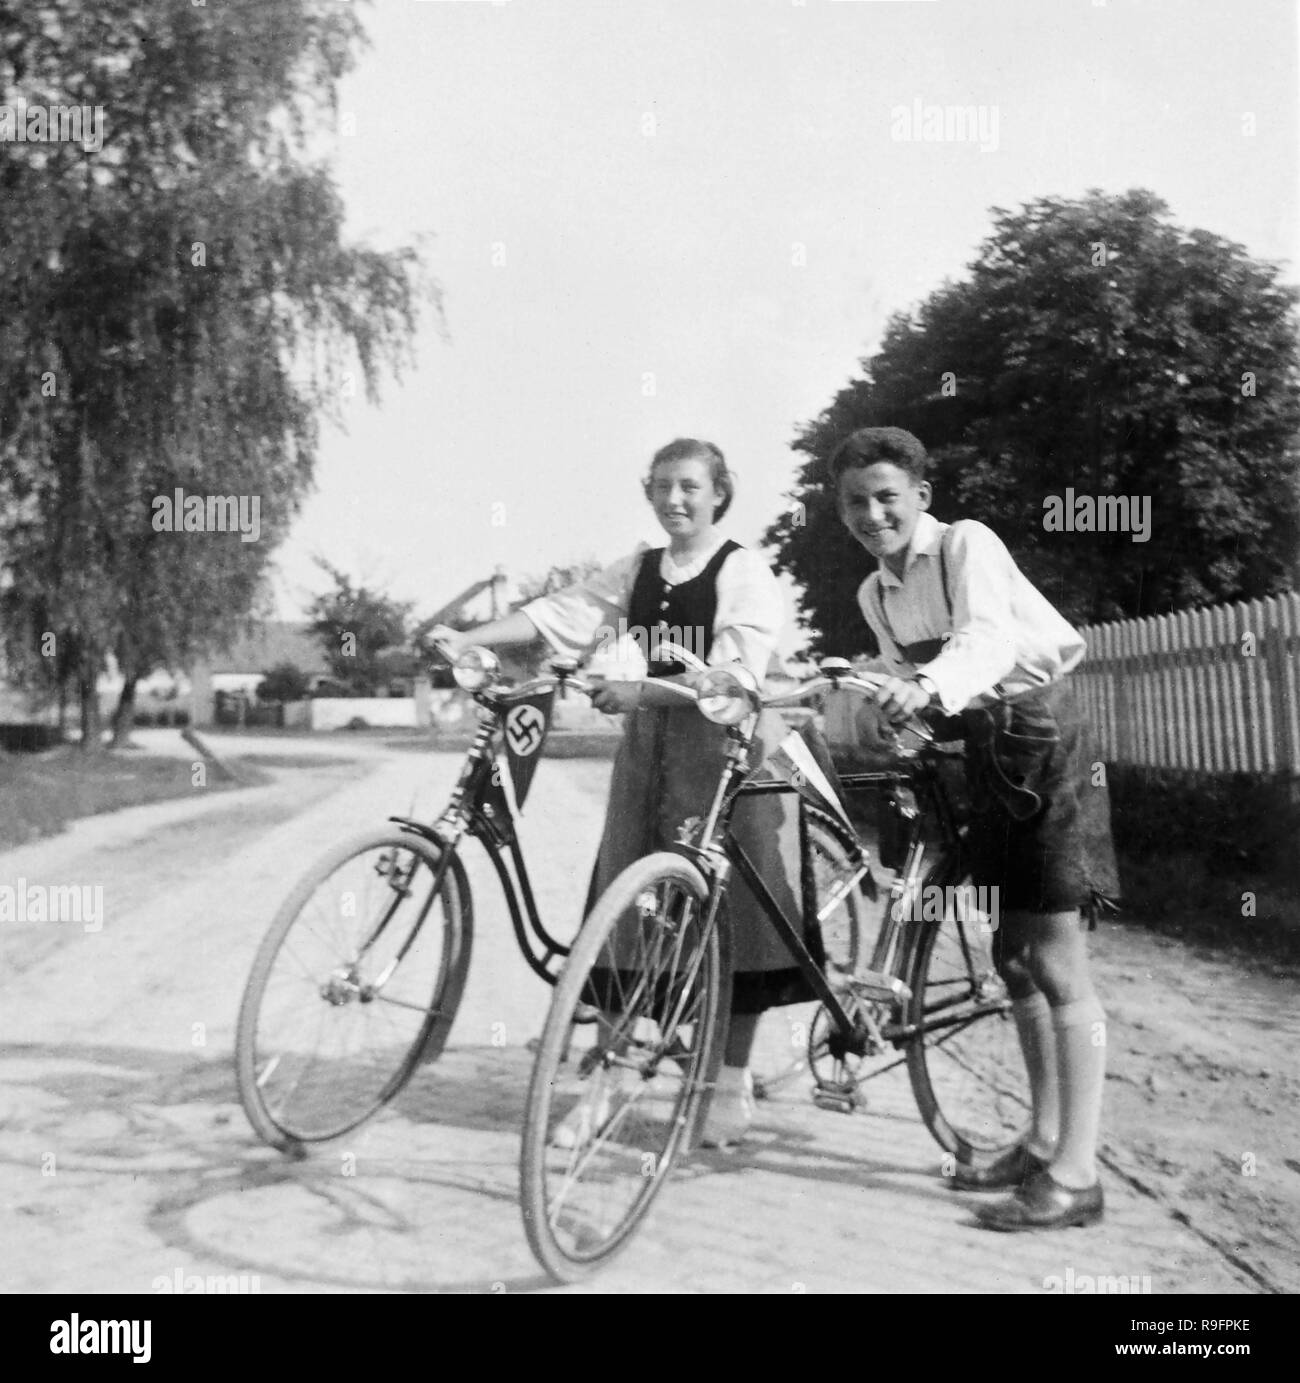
692,853
418,828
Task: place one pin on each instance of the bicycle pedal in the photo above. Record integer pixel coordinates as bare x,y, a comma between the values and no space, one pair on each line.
877,985
839,1099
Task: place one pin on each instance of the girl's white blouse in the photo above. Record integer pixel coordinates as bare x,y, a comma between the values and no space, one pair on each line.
746,627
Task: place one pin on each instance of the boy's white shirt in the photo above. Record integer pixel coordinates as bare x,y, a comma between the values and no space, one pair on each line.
1005,634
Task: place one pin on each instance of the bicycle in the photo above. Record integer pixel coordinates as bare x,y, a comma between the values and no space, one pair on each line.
654,955
358,979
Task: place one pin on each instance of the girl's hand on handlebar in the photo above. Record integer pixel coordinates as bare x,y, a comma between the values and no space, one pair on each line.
451,643
614,698
900,700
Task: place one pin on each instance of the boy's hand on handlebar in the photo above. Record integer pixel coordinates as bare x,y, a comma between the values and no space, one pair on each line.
900,700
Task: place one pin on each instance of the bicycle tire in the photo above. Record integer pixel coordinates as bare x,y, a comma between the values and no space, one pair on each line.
309,1007
964,1059
781,1043
654,1065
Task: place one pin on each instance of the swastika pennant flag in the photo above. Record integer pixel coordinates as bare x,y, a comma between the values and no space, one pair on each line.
524,733
793,761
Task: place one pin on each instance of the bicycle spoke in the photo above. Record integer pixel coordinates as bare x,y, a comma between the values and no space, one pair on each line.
322,1046
964,1053
853,927
604,1124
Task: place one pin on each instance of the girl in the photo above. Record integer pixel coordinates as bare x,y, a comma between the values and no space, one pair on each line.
723,603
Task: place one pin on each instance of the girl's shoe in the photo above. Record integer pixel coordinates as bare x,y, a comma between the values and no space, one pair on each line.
731,1111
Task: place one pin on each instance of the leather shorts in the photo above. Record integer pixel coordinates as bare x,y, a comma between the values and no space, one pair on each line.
1040,827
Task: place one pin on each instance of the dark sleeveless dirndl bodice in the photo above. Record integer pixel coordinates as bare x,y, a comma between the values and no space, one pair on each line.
683,614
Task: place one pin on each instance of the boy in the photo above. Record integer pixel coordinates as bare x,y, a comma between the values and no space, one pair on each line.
962,631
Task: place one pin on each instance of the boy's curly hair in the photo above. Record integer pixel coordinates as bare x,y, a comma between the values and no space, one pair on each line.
869,445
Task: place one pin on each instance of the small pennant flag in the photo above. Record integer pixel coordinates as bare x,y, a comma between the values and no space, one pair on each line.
792,761
524,733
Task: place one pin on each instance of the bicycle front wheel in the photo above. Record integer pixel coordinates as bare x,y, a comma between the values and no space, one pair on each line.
357,980
964,1059
613,1103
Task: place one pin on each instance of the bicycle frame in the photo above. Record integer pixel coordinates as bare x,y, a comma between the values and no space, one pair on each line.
895,944
718,852
480,807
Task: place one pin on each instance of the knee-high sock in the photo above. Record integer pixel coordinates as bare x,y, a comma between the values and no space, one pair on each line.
1080,1030
1038,1043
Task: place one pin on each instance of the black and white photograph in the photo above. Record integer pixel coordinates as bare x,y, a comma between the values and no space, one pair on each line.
649,647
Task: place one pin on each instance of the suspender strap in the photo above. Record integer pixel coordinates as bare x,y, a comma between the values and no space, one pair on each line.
943,568
925,650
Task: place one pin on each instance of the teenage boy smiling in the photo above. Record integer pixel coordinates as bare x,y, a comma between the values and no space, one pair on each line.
962,631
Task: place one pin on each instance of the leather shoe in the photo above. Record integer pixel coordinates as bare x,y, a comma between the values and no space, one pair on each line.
1002,1174
1043,1203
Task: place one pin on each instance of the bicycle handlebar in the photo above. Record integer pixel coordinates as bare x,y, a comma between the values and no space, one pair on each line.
868,683
669,652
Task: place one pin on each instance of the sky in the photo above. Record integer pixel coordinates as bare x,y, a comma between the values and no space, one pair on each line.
662,218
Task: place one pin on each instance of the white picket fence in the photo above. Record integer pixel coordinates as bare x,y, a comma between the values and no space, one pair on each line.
1215,690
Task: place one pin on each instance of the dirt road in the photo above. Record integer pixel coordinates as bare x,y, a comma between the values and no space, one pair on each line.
126,1163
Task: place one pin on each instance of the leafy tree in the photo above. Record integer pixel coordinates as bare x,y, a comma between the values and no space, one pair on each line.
178,309
355,625
284,682
1098,346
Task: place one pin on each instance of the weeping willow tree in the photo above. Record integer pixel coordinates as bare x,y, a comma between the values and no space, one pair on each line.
179,311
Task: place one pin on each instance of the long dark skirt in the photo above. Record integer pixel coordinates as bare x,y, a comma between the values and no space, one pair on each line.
667,770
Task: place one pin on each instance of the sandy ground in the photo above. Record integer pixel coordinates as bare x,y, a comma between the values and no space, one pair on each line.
1203,1094
124,1156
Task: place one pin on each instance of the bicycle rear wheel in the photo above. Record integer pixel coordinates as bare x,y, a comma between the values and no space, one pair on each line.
965,1063
613,1103
357,980
850,923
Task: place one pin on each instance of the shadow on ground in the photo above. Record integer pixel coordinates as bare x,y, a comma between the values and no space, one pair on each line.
154,1147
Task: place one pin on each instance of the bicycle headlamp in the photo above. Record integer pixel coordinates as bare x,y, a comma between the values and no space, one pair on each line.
726,695
475,668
